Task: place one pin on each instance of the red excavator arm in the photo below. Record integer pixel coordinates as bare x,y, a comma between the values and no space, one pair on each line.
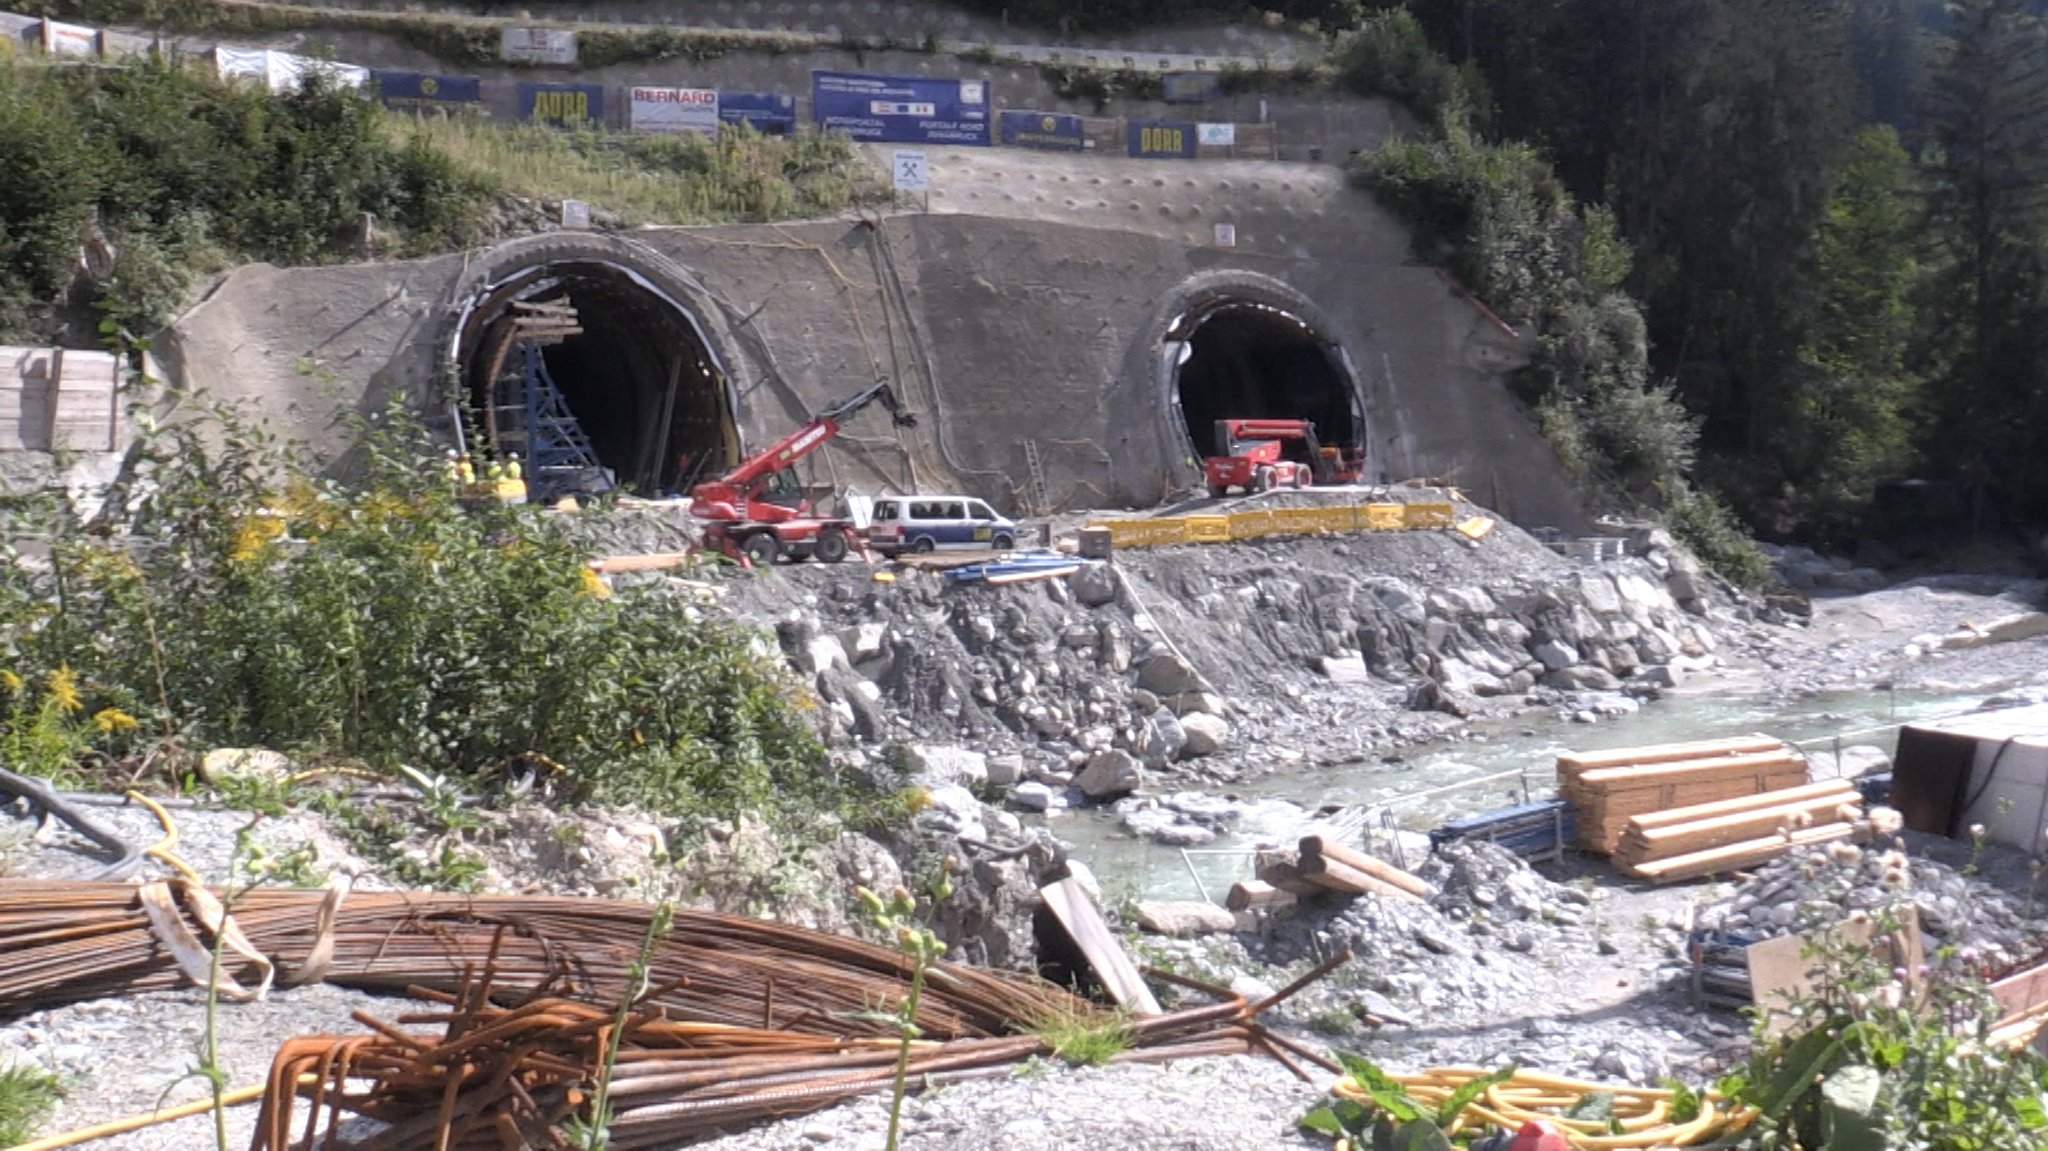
738,494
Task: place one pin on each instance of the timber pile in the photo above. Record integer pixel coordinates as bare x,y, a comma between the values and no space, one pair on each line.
1323,864
1608,788
1731,834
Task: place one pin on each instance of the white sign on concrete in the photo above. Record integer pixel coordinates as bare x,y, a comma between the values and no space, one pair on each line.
70,39
576,215
1226,235
674,110
912,171
538,45
1220,134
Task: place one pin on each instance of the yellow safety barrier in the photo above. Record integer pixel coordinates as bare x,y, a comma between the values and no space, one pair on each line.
1266,523
1383,517
1428,515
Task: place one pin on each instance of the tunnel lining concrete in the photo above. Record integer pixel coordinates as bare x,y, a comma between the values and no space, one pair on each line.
651,342
1250,348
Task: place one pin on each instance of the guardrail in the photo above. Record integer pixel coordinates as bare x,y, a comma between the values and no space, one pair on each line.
1267,523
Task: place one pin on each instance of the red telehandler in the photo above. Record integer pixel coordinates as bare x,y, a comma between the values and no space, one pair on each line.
1250,458
758,511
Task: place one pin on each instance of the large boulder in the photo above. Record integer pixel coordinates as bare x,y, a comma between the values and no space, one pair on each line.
1582,679
1175,917
1344,668
1167,674
1110,773
1161,739
938,765
1094,585
1206,734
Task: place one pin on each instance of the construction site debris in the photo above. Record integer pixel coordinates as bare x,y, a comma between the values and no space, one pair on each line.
1070,905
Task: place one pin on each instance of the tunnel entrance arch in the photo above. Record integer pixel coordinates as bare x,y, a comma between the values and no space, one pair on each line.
596,349
1242,354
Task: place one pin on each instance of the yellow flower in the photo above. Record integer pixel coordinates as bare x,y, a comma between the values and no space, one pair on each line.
593,585
64,688
253,534
110,720
9,680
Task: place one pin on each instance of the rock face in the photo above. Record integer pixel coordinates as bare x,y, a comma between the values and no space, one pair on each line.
1108,774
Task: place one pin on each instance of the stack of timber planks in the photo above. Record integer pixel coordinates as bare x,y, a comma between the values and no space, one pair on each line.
1708,838
1608,788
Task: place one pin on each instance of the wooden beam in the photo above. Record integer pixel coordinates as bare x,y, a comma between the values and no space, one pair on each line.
1578,761
1323,871
1322,847
1734,856
1256,893
1839,788
1069,903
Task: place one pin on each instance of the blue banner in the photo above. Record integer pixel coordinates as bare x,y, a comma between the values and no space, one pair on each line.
1155,139
901,109
771,113
1042,130
563,105
426,90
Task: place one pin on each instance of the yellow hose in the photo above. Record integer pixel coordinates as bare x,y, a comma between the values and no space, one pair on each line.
161,850
233,1098
1642,1114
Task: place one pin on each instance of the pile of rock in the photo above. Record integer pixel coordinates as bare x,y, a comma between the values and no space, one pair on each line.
1814,889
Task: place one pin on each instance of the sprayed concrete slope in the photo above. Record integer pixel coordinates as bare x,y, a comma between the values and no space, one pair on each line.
1035,301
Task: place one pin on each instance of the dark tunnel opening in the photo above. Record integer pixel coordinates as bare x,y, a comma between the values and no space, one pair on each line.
635,390
1250,361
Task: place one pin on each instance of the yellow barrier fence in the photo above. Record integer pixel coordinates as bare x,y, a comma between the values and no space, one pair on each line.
1267,523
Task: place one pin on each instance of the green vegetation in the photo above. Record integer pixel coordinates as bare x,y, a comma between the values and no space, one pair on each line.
1086,1036
736,176
1868,1066
897,917
266,606
27,1096
184,175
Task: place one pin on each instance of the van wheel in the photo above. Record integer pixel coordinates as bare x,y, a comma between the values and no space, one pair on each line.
1002,543
761,549
923,545
831,546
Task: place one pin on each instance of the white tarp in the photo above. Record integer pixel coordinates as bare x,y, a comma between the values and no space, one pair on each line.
674,110
70,39
282,71
537,45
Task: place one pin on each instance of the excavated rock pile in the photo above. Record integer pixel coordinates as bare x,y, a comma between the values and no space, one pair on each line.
1957,906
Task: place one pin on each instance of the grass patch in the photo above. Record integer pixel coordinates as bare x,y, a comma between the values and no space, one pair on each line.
736,177
27,1096
1084,1035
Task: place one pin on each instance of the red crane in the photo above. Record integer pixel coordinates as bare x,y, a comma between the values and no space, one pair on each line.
1249,457
759,511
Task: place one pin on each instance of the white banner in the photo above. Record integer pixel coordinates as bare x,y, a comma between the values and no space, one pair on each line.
1223,134
674,110
70,39
538,45
282,71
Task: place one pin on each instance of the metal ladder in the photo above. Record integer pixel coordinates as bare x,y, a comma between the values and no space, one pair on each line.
1036,493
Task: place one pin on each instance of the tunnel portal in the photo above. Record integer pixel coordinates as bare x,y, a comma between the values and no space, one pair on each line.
1243,360
633,378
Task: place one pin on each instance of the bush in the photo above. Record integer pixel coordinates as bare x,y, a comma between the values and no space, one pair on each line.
266,606
1389,55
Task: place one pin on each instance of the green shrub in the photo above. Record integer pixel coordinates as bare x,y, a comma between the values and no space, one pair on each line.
266,606
1389,55
27,1095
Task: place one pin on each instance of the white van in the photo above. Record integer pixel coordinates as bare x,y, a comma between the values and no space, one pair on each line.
937,523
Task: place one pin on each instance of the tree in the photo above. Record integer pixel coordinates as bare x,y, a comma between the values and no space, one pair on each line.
1987,112
1842,424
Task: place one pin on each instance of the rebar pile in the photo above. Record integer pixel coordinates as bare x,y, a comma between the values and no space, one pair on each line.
514,1077
64,942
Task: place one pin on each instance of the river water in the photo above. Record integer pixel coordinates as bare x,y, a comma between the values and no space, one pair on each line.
1419,784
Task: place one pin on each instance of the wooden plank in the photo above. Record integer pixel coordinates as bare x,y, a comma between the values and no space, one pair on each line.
1723,829
1782,972
1324,847
1580,761
2023,991
1638,775
1698,811
1077,913
1735,856
1285,874
1256,893
1323,871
